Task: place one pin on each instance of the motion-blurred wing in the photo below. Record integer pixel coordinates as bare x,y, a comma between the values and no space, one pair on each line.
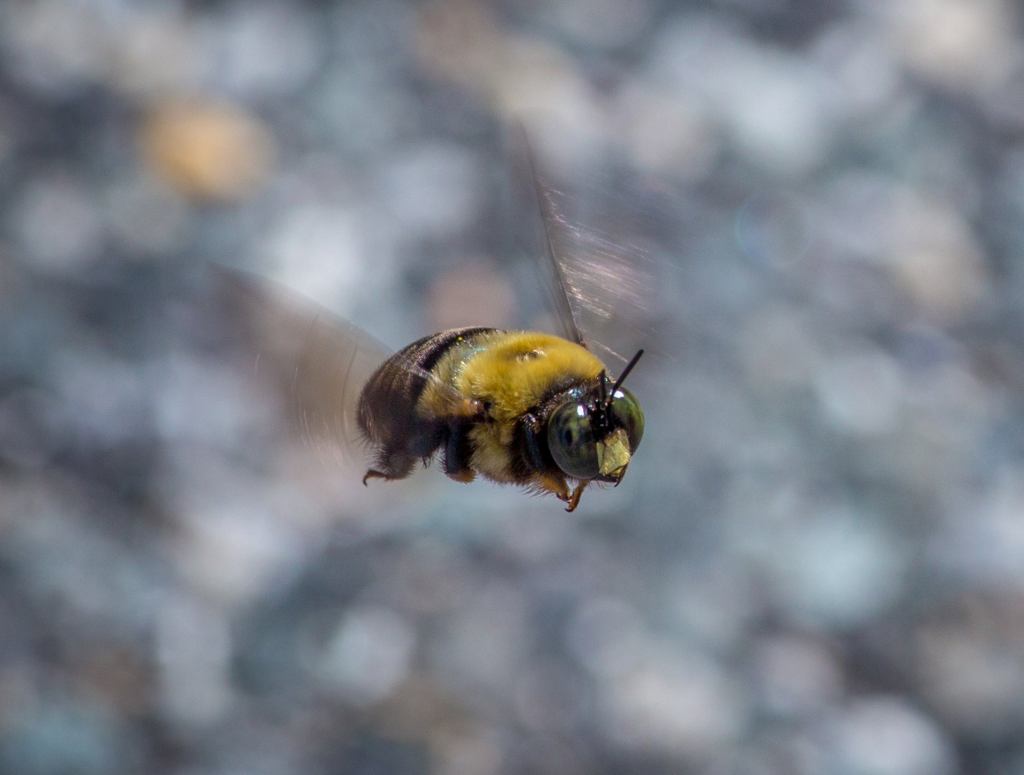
533,222
315,362
600,284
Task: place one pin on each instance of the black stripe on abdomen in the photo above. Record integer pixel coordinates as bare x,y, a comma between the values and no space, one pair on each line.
433,348
387,407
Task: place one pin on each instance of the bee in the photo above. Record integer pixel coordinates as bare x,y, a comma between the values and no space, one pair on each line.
516,407
528,408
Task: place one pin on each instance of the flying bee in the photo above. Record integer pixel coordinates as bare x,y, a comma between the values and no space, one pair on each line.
515,407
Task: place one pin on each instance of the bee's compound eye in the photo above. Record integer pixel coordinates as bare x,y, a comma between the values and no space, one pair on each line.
571,441
628,414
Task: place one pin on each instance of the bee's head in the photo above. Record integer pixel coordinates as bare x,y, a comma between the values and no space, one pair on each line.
594,434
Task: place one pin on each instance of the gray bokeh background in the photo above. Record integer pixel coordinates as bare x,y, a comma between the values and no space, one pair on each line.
816,564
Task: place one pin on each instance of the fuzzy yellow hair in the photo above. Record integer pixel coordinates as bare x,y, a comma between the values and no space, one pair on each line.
510,373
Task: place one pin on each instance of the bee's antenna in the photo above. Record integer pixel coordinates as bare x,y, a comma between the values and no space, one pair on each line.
625,371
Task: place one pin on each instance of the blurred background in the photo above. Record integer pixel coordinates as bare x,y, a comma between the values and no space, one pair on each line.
816,563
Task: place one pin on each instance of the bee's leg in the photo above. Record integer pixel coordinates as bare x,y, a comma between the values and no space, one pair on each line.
457,453
577,493
372,473
395,467
396,461
393,464
557,485
552,483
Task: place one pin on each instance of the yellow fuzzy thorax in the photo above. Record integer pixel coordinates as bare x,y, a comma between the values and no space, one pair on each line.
513,371
510,372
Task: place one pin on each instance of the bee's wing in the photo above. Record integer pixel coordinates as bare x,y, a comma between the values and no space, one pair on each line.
314,362
534,220
600,289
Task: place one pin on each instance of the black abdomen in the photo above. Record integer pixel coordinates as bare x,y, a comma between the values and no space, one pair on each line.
387,406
